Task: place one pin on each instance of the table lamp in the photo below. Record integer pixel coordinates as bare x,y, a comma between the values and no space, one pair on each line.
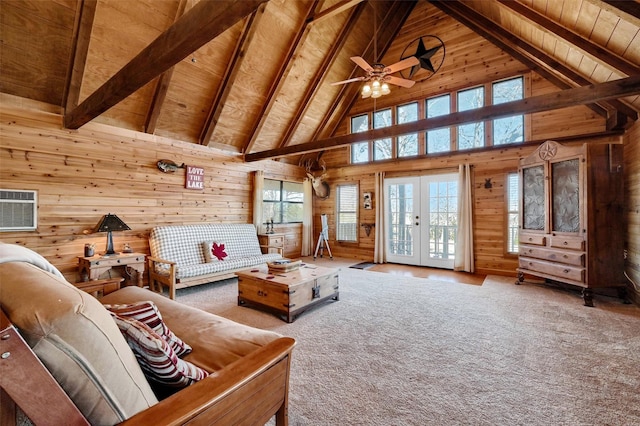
108,223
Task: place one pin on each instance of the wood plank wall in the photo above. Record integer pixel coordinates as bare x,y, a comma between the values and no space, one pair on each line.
98,169
632,205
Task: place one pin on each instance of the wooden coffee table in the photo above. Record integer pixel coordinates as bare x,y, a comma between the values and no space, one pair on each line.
287,294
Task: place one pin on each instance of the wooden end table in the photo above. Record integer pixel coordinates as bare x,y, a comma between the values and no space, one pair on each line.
287,294
99,288
93,267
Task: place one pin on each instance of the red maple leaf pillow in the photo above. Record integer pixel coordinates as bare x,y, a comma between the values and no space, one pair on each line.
214,251
217,250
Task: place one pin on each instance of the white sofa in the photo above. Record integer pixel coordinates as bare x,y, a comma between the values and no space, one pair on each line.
178,254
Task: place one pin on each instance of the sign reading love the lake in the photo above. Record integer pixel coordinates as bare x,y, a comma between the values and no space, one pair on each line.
195,177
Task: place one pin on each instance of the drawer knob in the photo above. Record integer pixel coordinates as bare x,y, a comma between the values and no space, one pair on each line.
530,239
565,243
566,271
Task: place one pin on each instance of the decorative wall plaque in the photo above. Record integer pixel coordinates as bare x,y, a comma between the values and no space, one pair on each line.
195,178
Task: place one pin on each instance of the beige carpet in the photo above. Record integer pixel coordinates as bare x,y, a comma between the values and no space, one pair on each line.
409,351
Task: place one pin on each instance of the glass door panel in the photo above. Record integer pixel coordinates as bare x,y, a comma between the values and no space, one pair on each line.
533,210
566,196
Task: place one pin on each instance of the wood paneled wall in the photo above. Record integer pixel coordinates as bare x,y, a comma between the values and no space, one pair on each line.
632,205
83,174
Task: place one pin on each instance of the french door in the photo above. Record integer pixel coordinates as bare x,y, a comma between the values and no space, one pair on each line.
421,215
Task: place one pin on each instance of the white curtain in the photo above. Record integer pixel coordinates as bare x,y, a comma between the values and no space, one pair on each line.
307,219
464,241
258,189
379,254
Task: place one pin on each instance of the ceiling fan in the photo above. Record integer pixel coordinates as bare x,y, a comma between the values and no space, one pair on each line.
379,76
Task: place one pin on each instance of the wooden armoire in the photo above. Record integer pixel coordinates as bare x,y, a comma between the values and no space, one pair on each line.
571,216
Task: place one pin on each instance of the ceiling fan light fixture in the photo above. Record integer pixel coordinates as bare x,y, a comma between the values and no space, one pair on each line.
366,91
384,89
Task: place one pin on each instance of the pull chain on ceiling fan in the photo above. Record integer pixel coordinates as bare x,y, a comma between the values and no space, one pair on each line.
378,75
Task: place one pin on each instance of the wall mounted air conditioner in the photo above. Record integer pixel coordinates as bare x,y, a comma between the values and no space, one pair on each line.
18,210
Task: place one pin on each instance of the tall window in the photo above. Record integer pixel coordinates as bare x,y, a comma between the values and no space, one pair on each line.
347,214
508,129
438,140
407,144
360,150
471,135
513,211
382,147
282,201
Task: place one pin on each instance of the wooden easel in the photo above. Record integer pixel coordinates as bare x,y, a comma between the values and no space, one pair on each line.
323,239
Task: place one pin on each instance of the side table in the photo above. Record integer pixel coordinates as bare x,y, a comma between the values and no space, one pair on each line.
100,287
91,268
271,243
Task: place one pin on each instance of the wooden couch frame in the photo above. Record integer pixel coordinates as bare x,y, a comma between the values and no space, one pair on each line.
249,391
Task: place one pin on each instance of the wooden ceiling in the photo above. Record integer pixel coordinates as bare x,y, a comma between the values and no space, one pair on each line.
253,76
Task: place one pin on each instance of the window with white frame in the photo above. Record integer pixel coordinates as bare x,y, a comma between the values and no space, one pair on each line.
347,212
407,144
438,140
360,150
500,131
471,135
513,211
382,148
508,129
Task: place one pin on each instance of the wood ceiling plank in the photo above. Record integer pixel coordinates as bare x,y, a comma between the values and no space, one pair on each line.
231,74
202,23
162,86
314,85
628,10
281,76
629,86
348,94
594,51
334,10
556,72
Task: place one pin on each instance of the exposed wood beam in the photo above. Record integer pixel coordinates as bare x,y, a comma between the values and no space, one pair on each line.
536,59
285,67
162,86
230,74
628,86
333,10
319,76
393,21
85,13
205,21
587,47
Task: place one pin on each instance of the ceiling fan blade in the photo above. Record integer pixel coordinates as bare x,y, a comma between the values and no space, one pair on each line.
351,80
362,63
405,63
402,82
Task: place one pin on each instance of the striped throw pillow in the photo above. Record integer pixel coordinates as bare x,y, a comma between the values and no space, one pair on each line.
147,313
156,358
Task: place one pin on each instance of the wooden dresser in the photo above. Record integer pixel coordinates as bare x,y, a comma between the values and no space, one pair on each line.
571,216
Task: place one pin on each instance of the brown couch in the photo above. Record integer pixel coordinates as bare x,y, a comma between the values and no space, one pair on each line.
81,346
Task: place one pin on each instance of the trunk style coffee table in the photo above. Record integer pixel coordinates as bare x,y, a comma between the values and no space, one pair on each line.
287,294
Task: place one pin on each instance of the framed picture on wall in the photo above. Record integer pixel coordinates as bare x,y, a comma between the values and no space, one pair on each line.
367,200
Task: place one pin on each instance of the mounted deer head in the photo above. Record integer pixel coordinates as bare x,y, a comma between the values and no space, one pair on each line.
320,186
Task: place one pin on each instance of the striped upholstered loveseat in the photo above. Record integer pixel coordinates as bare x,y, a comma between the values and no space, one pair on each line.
181,254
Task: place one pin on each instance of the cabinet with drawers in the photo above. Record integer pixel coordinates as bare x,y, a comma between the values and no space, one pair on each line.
272,243
571,216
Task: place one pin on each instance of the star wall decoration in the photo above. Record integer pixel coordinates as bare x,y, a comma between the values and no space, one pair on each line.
430,51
